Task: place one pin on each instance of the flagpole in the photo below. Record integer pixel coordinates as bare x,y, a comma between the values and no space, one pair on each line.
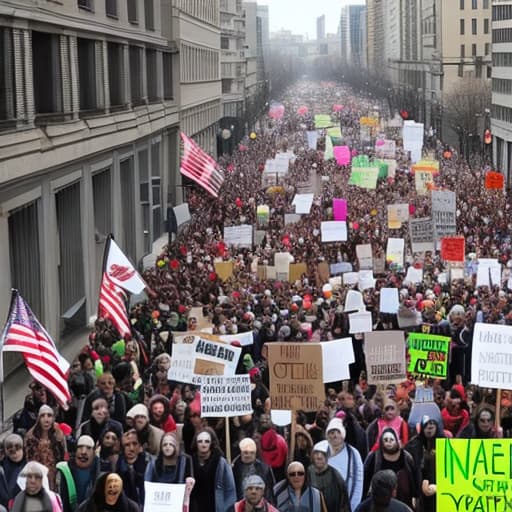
2,339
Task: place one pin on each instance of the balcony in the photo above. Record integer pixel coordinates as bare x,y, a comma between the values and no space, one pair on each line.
232,55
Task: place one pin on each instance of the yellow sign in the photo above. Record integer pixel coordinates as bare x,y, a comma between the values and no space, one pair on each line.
368,121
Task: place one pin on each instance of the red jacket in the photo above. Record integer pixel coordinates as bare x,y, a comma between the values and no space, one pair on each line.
274,449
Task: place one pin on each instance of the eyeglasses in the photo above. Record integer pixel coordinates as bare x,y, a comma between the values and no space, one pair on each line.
14,446
296,473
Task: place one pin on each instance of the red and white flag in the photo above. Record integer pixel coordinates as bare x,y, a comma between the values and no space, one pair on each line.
24,333
200,167
121,271
112,305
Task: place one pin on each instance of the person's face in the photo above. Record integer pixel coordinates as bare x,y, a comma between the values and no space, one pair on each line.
301,442
296,476
180,408
131,448
88,366
157,409
204,442
248,456
334,437
188,394
84,456
485,421
390,412
140,422
46,421
99,411
109,440
389,443
430,430
14,450
346,400
265,421
164,364
40,394
113,488
168,446
34,483
106,384
319,460
254,495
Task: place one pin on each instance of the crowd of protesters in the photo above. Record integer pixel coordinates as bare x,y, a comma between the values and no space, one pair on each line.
129,424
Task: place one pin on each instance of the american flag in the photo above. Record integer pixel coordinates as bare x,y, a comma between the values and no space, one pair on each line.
111,305
24,333
200,167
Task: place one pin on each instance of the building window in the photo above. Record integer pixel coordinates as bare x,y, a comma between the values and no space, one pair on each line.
126,169
460,70
87,73
111,8
151,74
489,71
46,73
462,51
224,43
462,29
7,84
461,5
132,11
487,48
86,4
149,14
115,74
155,191
485,4
168,85
136,75
474,4
473,50
473,26
486,25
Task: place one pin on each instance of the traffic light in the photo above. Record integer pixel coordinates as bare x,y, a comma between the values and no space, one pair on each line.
487,136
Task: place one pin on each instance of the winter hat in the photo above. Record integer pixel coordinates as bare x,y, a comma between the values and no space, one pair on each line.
247,444
254,481
336,424
45,409
138,410
85,440
322,447
457,310
32,468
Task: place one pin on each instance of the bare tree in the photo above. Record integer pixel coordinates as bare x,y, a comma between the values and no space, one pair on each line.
463,106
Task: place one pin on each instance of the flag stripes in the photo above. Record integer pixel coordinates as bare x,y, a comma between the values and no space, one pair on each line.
112,306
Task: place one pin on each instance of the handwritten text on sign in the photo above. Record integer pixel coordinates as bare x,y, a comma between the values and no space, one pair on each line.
428,354
474,475
296,375
222,396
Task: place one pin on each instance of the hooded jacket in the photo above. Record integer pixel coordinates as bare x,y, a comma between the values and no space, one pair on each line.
167,424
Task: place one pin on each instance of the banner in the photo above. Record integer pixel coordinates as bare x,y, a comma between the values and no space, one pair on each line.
397,213
303,203
428,354
395,251
494,180
339,209
223,397
453,248
163,497
333,231
364,256
385,357
421,232
473,475
491,356
342,155
197,355
295,376
412,136
444,215
423,181
239,236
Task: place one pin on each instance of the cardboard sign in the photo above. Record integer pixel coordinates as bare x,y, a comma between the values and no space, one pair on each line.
296,270
163,497
223,397
491,357
453,248
494,180
421,232
224,269
385,357
428,354
295,376
473,474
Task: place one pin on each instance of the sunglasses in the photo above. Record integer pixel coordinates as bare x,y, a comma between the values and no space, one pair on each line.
484,420
296,473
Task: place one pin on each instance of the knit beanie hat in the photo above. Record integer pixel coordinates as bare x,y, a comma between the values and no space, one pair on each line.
138,410
336,424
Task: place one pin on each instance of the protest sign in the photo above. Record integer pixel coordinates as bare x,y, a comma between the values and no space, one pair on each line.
364,256
473,475
296,270
453,248
365,279
421,232
386,149
323,121
360,322
354,301
182,214
423,181
295,375
491,357
392,165
342,155
494,180
414,275
224,269
244,338
262,215
335,282
395,251
364,177
197,355
281,418
444,215
488,272
428,354
323,272
282,262
291,218
385,357
412,135
329,149
389,300
163,497
303,203
333,231
350,277
312,136
223,397
337,355
397,213
339,209
339,268
239,236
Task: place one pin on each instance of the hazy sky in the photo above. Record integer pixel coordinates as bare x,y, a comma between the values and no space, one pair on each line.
300,16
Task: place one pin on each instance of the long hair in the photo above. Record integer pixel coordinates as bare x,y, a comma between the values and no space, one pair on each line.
214,445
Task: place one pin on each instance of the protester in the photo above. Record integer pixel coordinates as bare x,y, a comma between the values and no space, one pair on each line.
253,497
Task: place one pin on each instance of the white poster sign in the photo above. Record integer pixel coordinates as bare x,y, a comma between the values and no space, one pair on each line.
334,231
163,497
223,397
389,301
360,322
239,236
365,256
336,357
302,203
395,251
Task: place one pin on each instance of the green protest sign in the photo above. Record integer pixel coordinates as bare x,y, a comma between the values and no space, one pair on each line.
428,354
323,121
473,475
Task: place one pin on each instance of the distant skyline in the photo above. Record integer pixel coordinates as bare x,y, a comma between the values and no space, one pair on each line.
300,16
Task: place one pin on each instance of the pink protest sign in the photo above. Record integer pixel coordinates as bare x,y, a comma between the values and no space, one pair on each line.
342,155
337,108
339,209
